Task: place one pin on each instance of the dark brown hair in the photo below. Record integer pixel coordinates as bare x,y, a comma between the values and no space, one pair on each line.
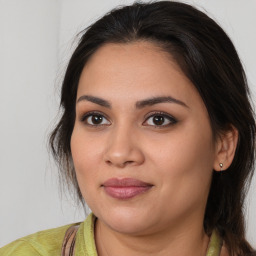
208,58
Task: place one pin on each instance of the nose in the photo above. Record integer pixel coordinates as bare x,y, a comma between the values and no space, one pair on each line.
123,148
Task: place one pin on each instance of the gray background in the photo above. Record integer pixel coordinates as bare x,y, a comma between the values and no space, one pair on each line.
36,40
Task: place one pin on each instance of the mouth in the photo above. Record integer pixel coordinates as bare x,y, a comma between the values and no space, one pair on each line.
125,188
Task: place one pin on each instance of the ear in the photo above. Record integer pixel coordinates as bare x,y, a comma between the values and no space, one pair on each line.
225,148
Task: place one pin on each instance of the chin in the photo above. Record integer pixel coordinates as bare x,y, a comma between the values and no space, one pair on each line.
126,221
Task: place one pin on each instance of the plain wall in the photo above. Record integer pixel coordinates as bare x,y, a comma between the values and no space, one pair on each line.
36,40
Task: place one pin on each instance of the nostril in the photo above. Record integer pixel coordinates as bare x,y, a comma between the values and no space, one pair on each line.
121,164
128,162
108,162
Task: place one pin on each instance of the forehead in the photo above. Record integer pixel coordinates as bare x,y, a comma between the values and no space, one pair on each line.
123,58
134,70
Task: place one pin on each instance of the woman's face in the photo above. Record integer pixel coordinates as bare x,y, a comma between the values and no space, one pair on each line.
142,144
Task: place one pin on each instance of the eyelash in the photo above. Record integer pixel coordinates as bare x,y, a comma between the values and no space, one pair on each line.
170,118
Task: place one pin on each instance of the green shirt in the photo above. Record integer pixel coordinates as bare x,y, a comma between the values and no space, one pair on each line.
49,242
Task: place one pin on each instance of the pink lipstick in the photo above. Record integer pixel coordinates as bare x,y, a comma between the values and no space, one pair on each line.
125,188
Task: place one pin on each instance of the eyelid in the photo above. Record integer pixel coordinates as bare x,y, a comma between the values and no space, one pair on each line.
149,115
91,113
172,119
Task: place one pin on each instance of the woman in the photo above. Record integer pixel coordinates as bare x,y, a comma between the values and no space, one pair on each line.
157,136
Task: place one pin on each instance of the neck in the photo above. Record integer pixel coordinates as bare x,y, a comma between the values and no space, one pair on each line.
190,240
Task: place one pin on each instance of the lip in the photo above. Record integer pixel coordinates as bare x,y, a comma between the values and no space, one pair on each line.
125,188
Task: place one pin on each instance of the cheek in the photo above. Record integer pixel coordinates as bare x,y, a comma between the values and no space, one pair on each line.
84,163
84,160
182,149
194,153
184,162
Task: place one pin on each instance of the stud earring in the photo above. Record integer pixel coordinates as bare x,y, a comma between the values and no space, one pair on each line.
221,165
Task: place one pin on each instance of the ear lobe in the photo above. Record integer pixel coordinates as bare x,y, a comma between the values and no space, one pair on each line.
225,149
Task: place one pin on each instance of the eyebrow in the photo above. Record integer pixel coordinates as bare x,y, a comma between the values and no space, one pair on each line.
139,104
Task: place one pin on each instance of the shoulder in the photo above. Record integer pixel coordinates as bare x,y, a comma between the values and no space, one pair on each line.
43,243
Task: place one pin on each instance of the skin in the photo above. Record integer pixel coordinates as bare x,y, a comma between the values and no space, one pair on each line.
177,158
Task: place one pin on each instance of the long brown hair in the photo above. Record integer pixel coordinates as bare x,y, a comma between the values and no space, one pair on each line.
208,58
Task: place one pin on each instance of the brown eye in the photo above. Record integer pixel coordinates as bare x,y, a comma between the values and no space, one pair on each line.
95,119
160,119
